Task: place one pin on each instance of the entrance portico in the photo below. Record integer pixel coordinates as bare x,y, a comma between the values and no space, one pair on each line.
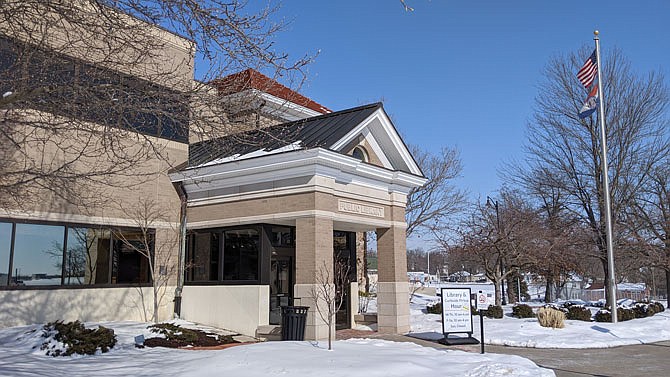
313,192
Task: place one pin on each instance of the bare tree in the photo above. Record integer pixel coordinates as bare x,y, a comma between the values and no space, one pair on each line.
157,253
563,243
565,148
649,221
328,293
406,7
497,237
430,206
89,87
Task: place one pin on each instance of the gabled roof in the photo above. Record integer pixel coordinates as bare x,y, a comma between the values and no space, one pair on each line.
319,131
333,131
252,79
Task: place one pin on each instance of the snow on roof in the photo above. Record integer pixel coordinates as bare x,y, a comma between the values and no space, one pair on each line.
260,152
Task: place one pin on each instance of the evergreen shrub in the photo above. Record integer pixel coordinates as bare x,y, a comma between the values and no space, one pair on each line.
623,314
434,309
658,307
579,313
76,339
560,308
643,309
494,311
522,311
603,315
175,336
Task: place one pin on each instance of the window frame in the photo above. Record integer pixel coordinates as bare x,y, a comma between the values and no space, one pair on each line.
262,253
365,155
67,225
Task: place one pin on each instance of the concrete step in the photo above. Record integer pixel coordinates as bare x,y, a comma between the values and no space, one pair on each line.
366,318
269,332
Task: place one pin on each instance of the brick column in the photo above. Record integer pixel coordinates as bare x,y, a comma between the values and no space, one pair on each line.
392,287
313,257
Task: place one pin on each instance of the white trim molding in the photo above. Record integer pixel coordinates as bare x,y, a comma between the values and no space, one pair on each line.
380,126
79,219
270,105
294,164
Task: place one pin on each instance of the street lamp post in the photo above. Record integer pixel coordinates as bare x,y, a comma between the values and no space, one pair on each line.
490,201
428,255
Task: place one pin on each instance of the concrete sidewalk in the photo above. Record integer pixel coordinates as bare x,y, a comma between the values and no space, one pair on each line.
644,360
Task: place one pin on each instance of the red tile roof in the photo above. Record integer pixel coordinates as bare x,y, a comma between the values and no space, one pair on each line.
252,79
597,285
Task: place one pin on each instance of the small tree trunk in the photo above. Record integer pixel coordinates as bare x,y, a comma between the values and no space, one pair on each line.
331,319
497,284
511,289
549,290
608,299
667,284
155,304
365,263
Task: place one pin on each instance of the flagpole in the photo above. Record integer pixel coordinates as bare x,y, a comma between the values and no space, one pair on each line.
611,281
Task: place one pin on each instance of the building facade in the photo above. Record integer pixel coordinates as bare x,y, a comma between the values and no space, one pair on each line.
233,225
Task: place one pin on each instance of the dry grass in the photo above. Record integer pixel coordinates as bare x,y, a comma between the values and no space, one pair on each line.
549,317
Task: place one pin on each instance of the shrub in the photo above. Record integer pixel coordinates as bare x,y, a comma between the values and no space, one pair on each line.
658,307
494,311
550,317
76,339
642,310
560,308
579,313
603,315
522,311
434,309
474,311
174,333
177,336
623,314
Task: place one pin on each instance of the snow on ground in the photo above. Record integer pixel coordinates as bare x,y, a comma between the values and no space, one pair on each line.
510,331
20,356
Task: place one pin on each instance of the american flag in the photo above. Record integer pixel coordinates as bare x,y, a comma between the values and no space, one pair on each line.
587,73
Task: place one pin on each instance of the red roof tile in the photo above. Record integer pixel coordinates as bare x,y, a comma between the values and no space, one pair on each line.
252,79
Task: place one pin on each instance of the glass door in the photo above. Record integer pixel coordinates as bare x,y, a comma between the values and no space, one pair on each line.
344,267
281,286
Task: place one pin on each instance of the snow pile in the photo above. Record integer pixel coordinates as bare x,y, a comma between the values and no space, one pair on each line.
354,357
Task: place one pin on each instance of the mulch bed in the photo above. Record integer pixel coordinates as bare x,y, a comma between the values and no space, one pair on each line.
179,337
353,333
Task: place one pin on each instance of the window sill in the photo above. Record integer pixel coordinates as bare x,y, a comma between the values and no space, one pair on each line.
225,282
55,287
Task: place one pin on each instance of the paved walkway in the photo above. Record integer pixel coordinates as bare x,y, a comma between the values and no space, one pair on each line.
644,360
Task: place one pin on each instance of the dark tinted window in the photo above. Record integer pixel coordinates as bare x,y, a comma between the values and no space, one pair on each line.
87,259
203,257
90,93
240,254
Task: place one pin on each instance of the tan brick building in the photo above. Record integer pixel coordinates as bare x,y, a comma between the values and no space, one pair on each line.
265,215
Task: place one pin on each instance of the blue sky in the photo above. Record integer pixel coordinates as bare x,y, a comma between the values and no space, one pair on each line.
460,73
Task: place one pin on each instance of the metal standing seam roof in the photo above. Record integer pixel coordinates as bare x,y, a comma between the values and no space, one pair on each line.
319,131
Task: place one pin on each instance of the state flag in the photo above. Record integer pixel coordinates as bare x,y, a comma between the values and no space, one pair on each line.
591,103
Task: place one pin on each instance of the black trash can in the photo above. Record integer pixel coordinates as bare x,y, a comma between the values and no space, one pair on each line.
293,320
